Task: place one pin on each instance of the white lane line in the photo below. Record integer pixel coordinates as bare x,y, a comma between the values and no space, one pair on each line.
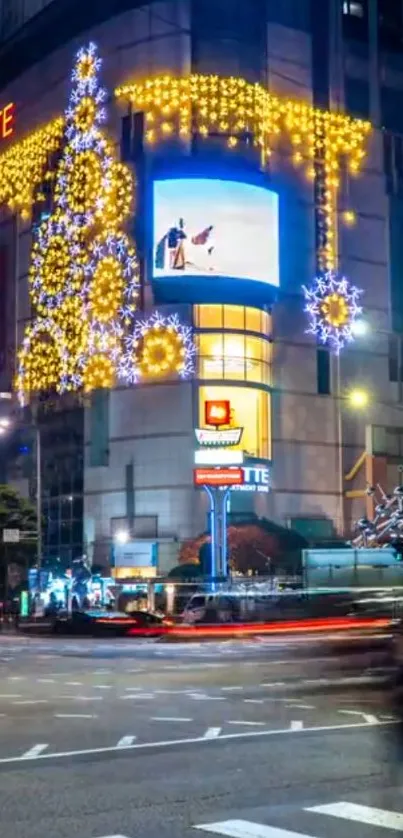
16,677
101,687
136,696
114,836
252,724
363,814
126,741
212,732
134,689
302,706
168,743
73,683
87,697
11,695
253,700
75,716
34,751
31,701
296,724
274,684
206,697
170,719
248,829
132,671
231,689
368,717
101,672
45,680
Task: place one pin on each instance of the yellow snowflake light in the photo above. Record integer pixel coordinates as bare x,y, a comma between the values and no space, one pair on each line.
98,373
106,290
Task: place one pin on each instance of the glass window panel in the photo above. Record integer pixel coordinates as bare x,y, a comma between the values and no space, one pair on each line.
253,320
209,317
250,410
234,317
266,323
234,357
211,360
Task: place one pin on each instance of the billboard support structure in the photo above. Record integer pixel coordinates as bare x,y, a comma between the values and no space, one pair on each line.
218,527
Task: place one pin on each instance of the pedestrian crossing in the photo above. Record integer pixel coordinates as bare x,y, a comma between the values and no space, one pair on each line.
315,822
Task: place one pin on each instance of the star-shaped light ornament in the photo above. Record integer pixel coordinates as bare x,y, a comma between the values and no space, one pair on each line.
331,303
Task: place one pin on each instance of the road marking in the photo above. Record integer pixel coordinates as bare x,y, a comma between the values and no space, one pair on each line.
302,706
114,836
134,689
73,683
87,697
230,689
368,717
248,829
253,700
296,724
170,719
45,680
35,751
137,695
274,684
101,671
363,814
74,716
254,724
11,695
133,670
212,732
168,743
16,678
126,741
31,701
102,687
206,697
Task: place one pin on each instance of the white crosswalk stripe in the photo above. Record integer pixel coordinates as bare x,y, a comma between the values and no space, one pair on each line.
363,814
354,812
248,829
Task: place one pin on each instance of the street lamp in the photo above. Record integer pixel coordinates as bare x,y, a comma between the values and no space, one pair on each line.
121,536
358,398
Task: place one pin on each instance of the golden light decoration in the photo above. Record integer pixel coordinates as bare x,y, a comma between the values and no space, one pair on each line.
98,373
160,353
85,113
41,359
335,310
84,181
213,105
106,290
68,316
86,67
117,200
51,278
23,165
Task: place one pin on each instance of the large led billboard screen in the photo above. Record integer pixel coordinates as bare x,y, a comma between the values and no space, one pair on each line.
209,229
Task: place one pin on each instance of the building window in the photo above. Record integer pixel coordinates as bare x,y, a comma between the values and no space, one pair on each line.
323,372
232,317
250,410
353,8
230,355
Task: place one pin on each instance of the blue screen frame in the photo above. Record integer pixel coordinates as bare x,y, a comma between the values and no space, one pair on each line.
199,288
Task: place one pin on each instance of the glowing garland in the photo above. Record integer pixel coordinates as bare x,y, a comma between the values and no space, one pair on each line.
332,307
83,275
159,347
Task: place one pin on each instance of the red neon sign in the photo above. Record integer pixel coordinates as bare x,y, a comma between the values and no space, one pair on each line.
218,476
217,413
7,121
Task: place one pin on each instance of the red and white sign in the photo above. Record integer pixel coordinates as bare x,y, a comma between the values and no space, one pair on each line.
208,436
218,476
217,412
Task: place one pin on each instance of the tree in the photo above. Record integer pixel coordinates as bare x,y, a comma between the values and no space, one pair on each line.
15,513
255,545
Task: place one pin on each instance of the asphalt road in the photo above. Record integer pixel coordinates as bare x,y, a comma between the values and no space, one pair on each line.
128,739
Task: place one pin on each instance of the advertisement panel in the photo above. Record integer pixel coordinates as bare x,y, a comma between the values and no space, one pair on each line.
218,476
208,231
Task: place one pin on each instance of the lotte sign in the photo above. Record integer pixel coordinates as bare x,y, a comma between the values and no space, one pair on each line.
218,476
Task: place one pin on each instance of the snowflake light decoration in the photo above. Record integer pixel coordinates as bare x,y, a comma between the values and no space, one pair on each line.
158,348
332,307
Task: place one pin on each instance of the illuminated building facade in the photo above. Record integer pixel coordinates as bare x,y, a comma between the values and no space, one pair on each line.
215,227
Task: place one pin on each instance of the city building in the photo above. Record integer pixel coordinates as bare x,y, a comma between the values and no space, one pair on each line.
255,113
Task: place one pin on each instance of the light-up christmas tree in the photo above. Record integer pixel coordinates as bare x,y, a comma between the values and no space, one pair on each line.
83,276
